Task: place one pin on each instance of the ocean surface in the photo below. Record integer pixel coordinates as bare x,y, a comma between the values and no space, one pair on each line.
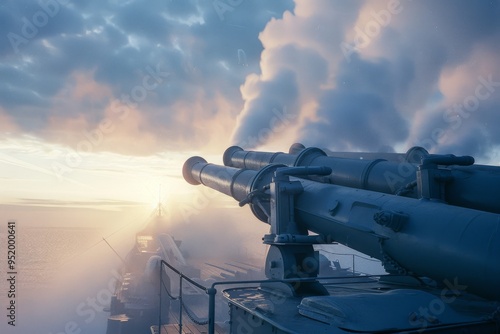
63,282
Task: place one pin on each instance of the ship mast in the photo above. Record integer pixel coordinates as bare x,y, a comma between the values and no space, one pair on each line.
159,202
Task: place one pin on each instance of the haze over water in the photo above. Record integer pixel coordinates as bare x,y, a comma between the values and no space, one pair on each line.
65,277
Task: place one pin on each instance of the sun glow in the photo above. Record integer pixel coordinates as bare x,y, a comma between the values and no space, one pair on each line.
105,181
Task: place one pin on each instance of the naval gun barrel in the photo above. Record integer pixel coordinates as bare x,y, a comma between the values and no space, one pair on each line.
241,184
230,181
455,246
234,182
413,155
417,174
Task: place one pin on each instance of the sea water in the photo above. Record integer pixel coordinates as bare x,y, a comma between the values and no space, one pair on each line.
64,278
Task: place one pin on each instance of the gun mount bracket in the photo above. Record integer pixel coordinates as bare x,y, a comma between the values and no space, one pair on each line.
283,192
258,196
431,180
257,193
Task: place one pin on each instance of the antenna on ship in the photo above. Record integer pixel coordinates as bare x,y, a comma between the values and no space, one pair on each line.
106,241
159,202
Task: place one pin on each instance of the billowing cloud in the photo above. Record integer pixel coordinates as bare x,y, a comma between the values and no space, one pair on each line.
386,75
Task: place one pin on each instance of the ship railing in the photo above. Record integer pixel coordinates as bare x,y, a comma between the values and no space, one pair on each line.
212,291
182,306
353,259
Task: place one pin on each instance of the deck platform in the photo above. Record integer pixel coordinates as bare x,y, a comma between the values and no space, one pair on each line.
187,328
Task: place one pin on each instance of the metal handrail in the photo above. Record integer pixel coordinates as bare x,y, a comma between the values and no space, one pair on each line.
182,277
351,254
354,256
212,291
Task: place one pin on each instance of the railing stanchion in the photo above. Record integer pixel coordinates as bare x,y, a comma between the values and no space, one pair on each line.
159,311
211,309
180,305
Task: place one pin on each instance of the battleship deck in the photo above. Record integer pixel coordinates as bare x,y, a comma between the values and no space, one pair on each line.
187,329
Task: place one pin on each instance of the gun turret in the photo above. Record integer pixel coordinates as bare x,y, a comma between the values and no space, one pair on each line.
453,245
416,173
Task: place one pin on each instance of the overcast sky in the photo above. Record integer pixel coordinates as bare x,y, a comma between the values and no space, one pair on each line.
86,81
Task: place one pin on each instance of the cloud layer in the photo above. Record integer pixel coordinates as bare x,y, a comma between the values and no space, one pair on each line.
176,75
380,76
147,77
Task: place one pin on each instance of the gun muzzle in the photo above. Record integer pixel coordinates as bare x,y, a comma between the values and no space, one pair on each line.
244,185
